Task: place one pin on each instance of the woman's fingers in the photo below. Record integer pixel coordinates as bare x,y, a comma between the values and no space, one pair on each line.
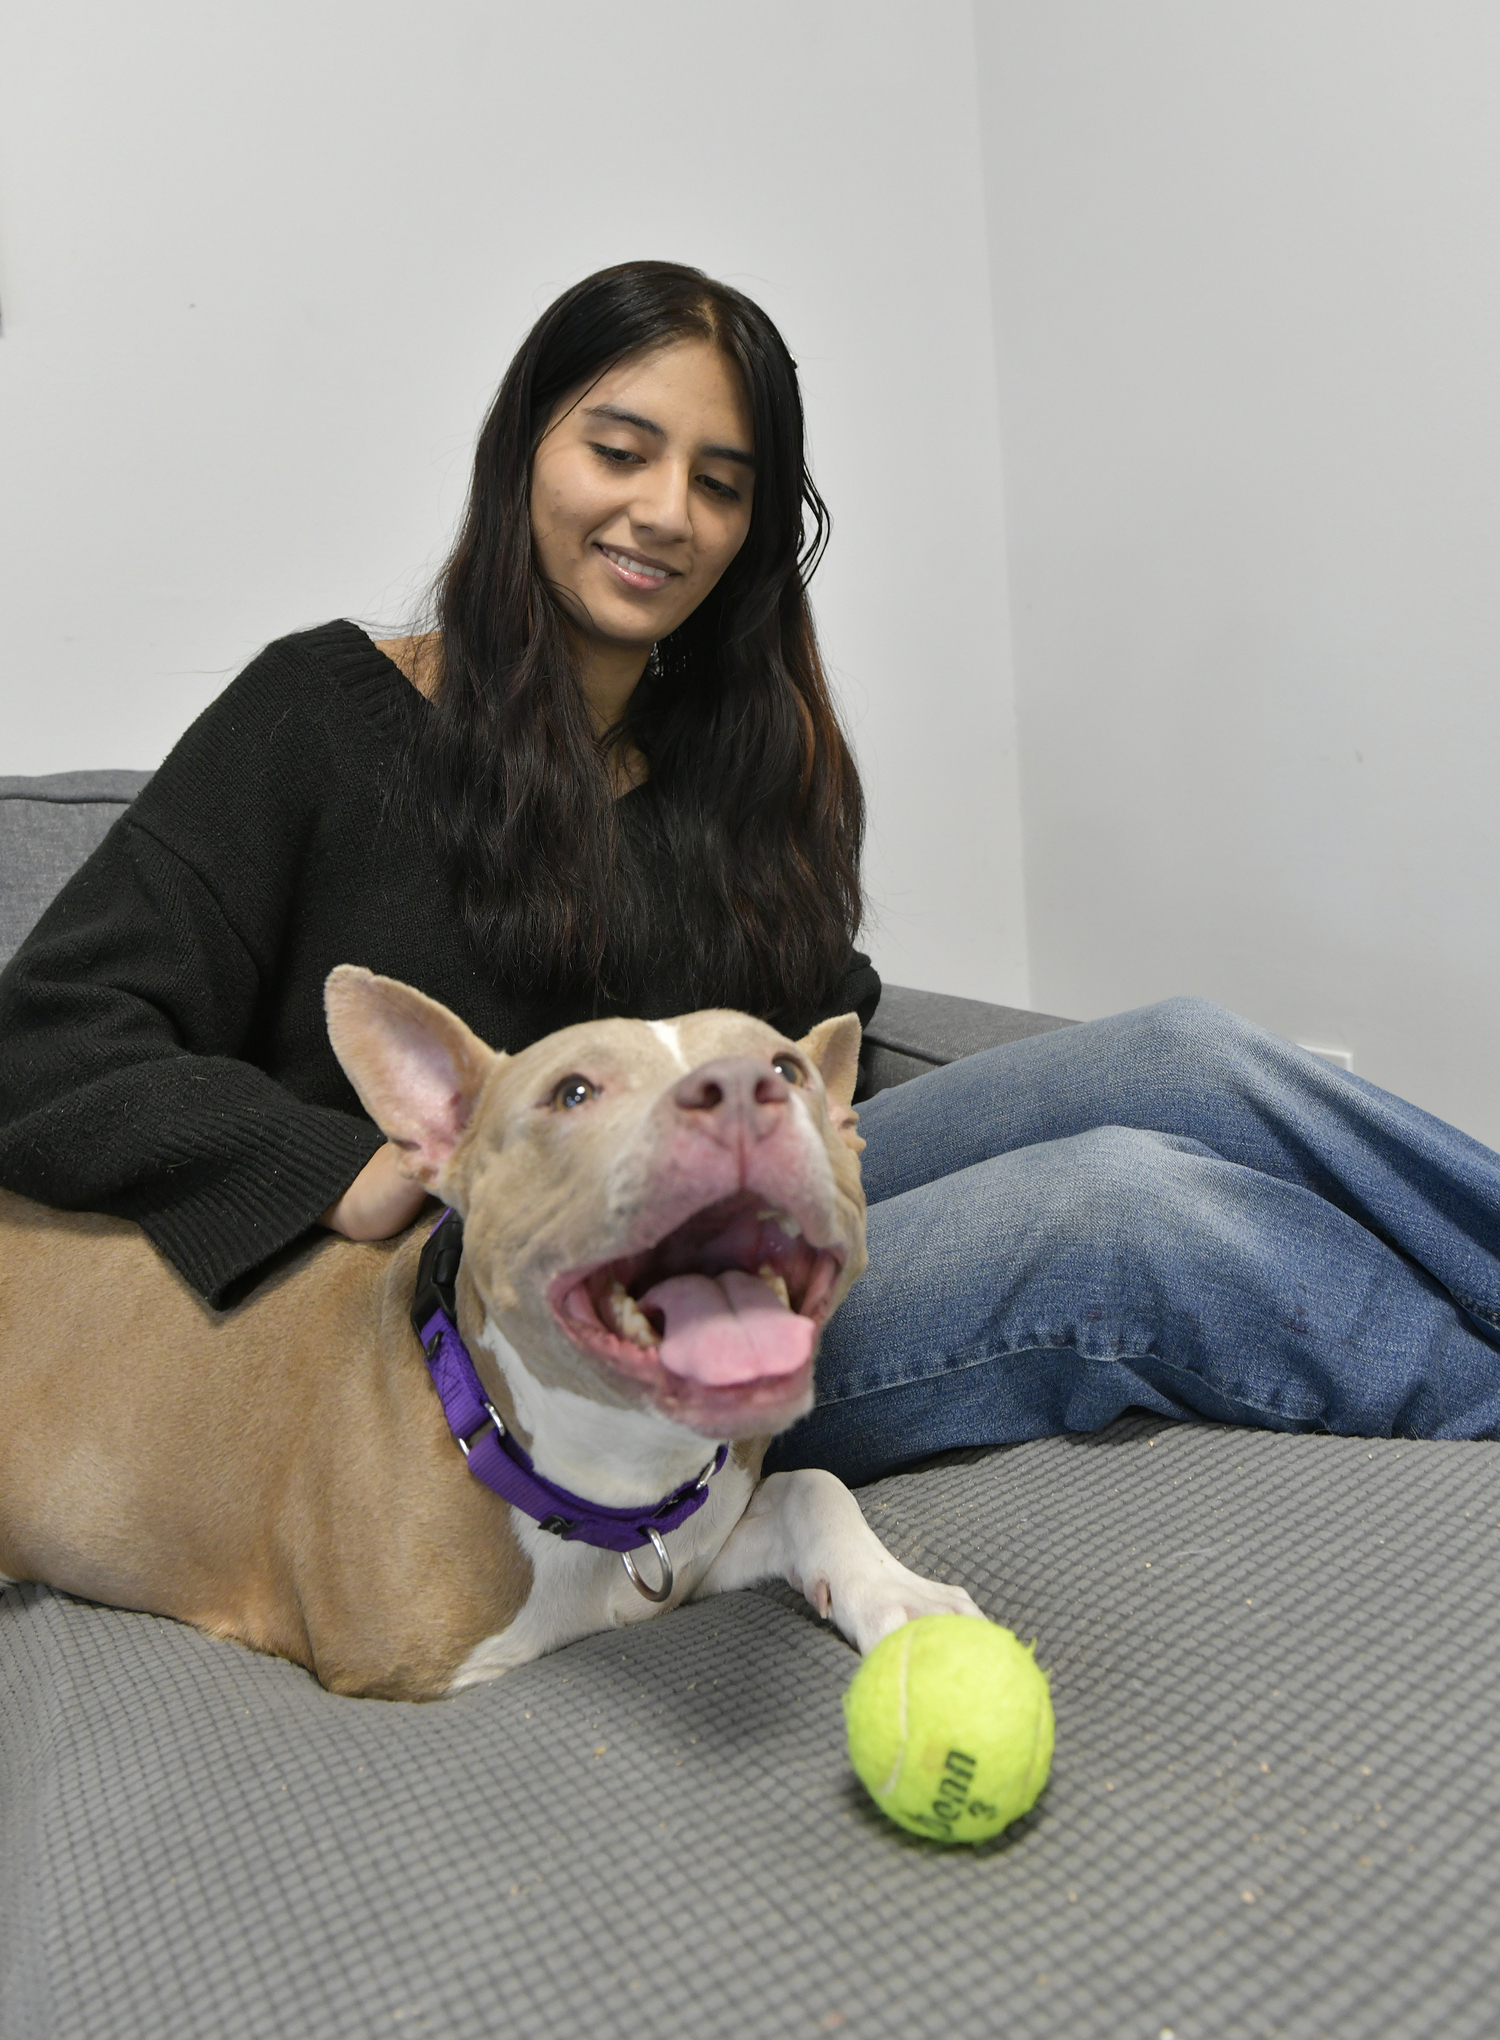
379,1203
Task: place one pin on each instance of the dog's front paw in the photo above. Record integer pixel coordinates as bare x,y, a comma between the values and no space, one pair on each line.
880,1597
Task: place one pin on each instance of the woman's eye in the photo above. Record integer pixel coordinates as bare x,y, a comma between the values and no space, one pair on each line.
617,456
573,1091
785,1067
718,488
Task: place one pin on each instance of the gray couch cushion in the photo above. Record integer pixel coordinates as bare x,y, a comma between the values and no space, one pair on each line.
913,1031
48,826
1272,1809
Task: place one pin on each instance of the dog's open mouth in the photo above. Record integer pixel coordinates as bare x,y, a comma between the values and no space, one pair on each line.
733,1297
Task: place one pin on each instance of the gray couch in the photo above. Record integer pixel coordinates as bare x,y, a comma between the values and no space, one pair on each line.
1272,1811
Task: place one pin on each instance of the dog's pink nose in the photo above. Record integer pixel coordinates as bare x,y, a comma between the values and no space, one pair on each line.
734,1093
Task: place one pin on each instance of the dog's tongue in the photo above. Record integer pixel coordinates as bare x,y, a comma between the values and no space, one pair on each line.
727,1329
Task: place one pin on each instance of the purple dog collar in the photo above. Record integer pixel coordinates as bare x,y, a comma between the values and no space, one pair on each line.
500,1461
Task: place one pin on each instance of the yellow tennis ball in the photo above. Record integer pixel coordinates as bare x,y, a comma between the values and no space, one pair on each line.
950,1727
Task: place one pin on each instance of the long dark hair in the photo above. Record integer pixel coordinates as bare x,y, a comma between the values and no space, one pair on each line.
739,873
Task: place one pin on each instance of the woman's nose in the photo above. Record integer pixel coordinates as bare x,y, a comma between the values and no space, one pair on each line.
662,503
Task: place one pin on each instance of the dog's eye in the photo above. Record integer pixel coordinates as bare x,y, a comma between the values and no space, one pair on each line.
574,1090
785,1067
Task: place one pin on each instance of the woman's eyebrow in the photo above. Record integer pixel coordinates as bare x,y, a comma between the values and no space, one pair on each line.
624,417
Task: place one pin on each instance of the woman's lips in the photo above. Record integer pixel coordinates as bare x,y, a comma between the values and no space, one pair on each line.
635,573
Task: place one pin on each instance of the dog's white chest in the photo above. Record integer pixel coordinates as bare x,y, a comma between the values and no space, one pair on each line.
577,1590
607,1454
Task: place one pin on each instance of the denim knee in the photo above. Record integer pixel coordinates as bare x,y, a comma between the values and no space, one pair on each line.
1195,1028
1121,1185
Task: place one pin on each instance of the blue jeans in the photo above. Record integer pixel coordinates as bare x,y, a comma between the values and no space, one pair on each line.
1171,1211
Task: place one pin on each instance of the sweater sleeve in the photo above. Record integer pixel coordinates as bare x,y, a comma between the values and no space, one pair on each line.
122,1088
857,991
860,990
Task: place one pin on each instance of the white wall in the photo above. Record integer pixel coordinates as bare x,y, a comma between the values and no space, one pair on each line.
1247,263
261,268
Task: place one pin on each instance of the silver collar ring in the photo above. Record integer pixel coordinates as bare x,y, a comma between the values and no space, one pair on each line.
664,1591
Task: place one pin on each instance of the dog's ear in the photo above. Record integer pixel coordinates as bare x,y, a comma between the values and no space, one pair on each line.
417,1068
833,1048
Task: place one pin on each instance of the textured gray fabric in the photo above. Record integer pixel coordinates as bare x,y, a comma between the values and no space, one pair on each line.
48,826
1272,1810
72,787
913,1031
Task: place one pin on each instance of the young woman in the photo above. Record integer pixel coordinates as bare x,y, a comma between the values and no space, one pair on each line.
611,780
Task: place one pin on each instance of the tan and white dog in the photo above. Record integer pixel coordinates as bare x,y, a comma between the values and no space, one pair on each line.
659,1217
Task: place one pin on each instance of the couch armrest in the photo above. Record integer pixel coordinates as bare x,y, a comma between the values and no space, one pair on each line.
48,826
914,1031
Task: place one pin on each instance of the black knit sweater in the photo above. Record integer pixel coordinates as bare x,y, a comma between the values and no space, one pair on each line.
163,1054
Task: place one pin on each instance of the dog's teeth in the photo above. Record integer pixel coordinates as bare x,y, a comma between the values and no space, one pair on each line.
631,1322
772,1280
780,1218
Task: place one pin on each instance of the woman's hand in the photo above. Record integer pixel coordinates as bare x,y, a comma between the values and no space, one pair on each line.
379,1203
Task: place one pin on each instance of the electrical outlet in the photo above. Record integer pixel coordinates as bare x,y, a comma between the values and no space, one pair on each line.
1344,1057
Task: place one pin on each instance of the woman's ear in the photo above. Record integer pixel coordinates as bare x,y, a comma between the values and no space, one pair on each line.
417,1068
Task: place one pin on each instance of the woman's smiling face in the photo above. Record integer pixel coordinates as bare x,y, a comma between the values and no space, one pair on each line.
641,493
